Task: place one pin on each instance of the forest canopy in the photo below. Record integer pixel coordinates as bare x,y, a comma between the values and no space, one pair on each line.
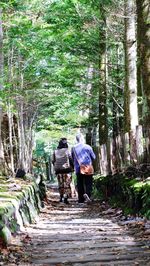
71,65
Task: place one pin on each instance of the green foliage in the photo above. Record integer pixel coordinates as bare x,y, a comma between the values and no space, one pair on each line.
49,47
146,200
53,43
131,195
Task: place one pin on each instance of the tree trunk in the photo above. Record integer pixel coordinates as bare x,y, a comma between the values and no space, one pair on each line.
131,109
143,29
9,110
21,134
131,112
103,110
117,108
29,139
92,93
1,51
103,127
1,87
10,125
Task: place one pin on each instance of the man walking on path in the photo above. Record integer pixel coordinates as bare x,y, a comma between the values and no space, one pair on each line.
83,155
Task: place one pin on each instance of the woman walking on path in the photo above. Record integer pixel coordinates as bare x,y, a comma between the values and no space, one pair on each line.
83,156
63,166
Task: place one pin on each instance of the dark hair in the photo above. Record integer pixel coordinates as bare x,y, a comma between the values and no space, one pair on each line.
62,143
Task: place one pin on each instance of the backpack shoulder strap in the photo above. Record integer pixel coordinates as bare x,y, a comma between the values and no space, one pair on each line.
76,156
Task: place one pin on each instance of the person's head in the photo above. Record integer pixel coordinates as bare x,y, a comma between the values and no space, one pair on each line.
62,143
80,138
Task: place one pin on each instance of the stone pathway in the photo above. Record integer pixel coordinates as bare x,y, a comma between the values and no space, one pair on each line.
75,235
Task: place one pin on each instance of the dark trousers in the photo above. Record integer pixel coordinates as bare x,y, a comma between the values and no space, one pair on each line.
84,185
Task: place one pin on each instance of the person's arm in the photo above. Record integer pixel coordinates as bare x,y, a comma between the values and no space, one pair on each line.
72,154
92,154
71,161
53,158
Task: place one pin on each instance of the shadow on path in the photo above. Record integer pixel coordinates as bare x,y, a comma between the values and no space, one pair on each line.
76,235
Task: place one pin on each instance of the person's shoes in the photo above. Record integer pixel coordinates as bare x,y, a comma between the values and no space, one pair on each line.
86,197
42,204
60,199
81,199
81,204
66,201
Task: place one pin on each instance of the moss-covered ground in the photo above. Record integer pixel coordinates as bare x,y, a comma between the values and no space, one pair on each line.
132,194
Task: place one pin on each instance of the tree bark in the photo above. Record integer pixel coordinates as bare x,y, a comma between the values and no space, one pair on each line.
143,29
1,87
21,134
131,110
103,127
10,124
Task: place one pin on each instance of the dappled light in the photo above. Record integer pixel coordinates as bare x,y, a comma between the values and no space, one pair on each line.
80,234
72,68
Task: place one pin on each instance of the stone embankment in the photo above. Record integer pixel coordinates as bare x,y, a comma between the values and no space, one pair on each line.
77,234
20,205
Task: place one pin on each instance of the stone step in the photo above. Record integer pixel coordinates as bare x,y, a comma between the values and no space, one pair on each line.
93,258
74,236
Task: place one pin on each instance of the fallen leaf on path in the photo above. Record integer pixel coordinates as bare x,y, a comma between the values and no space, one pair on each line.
5,251
26,239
